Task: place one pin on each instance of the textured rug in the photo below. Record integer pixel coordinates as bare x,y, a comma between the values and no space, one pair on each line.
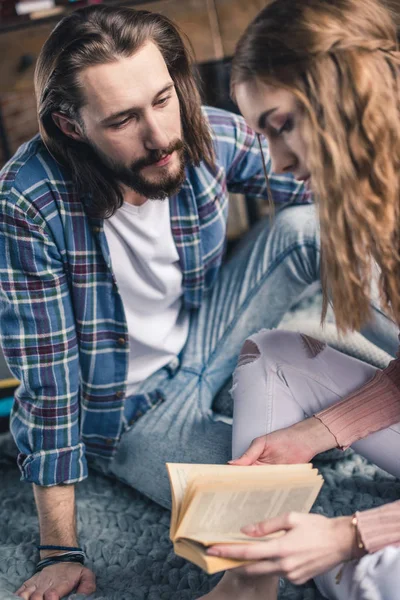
126,537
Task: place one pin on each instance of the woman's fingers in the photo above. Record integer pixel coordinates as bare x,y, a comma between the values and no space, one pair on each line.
256,551
254,452
281,523
297,576
264,567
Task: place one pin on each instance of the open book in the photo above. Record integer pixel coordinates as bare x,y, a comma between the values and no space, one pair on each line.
210,504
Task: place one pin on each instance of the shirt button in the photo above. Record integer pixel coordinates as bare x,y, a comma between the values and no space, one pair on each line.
131,422
121,341
120,394
96,229
109,442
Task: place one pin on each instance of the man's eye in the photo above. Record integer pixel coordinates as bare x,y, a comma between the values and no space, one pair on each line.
120,123
163,101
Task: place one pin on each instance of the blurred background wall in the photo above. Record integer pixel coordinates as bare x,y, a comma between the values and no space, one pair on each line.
213,27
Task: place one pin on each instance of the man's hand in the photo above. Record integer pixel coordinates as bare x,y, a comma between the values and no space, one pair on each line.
56,511
57,581
291,445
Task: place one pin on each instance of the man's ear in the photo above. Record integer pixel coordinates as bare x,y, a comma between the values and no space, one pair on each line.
68,126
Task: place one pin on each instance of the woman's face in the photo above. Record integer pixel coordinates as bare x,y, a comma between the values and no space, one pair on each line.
274,113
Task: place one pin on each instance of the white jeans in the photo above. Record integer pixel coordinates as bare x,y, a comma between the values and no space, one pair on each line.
285,384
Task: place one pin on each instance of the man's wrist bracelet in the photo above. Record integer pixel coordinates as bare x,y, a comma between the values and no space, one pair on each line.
74,557
65,548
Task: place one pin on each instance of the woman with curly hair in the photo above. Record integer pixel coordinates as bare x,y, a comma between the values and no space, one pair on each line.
320,80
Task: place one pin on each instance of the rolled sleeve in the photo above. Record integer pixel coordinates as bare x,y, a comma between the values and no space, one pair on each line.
54,467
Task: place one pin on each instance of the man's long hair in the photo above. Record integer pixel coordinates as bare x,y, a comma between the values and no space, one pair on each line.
97,35
341,61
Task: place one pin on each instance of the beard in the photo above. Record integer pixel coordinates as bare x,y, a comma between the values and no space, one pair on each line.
157,188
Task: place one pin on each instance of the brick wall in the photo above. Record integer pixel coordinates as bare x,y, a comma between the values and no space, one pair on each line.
19,116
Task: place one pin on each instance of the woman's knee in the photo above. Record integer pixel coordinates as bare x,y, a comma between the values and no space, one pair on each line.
277,345
267,342
260,358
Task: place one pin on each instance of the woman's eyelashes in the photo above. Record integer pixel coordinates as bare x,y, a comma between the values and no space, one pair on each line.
287,126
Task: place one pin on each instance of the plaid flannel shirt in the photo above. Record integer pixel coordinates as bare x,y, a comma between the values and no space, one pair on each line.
62,322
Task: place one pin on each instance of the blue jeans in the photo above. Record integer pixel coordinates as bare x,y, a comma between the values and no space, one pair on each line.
259,283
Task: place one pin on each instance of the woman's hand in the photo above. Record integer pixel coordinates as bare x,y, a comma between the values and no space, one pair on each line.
296,444
58,580
312,545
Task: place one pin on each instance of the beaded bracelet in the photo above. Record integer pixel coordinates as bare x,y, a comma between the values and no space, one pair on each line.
74,557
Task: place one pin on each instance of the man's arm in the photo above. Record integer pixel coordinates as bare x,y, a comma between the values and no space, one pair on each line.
38,334
238,150
57,518
39,340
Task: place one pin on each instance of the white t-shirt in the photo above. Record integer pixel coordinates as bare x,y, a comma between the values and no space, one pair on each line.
146,265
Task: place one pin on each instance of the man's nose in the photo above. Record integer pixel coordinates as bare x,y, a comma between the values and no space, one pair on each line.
155,134
283,160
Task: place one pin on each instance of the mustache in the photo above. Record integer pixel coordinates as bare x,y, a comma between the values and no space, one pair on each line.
154,156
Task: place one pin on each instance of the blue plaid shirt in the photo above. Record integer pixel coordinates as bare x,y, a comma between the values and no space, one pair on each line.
62,322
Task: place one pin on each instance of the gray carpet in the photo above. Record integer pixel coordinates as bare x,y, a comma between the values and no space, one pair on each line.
125,536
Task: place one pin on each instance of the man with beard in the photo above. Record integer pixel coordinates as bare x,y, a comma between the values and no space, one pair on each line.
117,316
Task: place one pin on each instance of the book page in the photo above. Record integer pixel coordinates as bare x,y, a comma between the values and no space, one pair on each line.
178,477
218,514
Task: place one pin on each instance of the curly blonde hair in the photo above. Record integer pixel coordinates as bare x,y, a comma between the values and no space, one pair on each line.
341,61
